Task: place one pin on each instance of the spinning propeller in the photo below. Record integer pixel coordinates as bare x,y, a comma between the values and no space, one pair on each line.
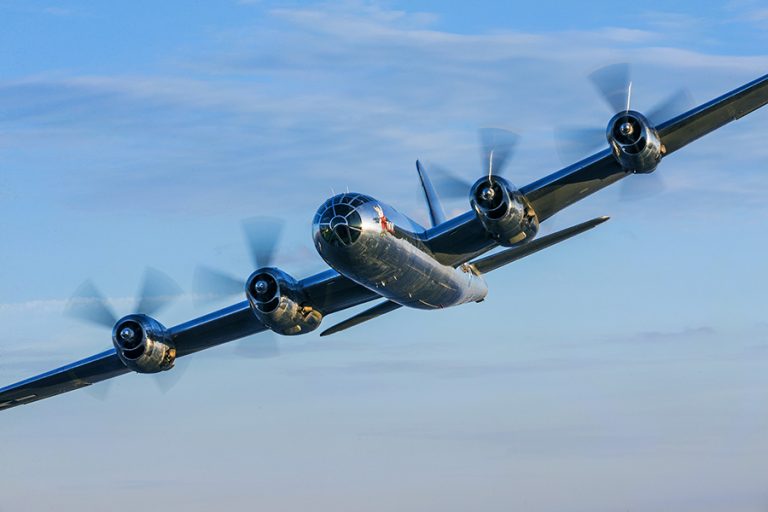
497,147
89,304
261,235
614,85
157,291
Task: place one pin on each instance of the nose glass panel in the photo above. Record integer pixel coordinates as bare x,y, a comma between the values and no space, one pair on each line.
338,221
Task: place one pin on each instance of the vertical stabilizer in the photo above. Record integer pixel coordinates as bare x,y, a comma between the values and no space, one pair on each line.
436,212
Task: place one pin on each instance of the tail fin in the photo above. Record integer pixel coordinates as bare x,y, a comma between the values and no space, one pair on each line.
436,212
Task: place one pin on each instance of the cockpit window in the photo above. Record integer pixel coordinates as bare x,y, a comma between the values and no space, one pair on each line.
338,221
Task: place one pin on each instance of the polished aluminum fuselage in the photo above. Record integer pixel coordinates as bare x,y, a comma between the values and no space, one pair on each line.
389,257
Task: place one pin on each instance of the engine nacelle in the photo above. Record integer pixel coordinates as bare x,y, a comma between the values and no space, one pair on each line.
634,142
278,301
143,344
503,210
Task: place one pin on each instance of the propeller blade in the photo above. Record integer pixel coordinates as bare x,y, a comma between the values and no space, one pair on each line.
447,184
680,101
168,379
88,303
262,346
613,84
641,186
261,234
575,143
157,291
498,146
210,284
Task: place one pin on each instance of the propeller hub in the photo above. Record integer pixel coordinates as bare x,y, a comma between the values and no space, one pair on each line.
127,334
487,194
261,286
626,129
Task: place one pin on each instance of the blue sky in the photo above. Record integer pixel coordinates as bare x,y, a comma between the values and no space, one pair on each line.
623,370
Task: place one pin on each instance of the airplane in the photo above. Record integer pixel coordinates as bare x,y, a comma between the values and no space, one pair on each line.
378,254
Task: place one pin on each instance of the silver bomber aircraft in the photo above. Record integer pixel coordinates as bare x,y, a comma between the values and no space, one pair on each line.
378,254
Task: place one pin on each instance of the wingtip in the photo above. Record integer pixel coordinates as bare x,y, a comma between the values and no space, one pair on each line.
595,222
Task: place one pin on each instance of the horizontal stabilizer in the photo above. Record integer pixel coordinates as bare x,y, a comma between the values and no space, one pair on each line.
368,314
485,265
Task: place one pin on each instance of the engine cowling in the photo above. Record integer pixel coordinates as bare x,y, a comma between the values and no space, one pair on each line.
634,142
278,301
143,344
503,210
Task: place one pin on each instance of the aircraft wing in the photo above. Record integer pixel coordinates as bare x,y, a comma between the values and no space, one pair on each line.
328,292
463,238
551,194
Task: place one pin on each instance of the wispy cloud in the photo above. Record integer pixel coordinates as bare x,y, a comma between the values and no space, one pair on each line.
691,333
446,369
749,11
61,305
57,11
37,7
240,115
